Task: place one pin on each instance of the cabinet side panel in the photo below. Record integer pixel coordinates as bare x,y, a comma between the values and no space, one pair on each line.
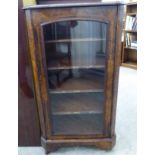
28,123
119,27
35,70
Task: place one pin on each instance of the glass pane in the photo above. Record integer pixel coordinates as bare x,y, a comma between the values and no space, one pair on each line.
75,43
77,124
75,56
76,79
72,103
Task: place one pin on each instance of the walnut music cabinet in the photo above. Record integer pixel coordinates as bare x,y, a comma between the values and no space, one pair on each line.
74,50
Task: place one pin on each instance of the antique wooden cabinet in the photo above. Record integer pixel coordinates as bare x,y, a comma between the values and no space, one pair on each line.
75,57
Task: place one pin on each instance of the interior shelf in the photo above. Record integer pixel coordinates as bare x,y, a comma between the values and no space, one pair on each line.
132,48
130,64
76,67
77,103
77,64
132,14
75,91
131,31
77,124
74,40
81,79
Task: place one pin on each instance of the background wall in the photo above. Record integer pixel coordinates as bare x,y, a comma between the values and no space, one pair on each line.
28,2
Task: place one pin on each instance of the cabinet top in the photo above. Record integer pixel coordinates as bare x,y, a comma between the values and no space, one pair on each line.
42,6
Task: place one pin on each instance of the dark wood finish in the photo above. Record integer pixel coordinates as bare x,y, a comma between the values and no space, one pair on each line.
28,122
101,143
117,61
111,13
68,5
129,54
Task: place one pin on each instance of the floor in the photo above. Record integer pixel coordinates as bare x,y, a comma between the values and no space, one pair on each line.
125,123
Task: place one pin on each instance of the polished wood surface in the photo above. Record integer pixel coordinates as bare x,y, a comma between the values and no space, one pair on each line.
36,17
28,121
78,4
117,60
102,143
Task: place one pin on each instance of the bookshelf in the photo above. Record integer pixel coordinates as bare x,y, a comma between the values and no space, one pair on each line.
129,49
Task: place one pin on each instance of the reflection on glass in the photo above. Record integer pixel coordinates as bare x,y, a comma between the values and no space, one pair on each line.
75,43
75,30
75,56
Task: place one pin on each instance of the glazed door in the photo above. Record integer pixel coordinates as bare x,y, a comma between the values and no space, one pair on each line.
75,53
